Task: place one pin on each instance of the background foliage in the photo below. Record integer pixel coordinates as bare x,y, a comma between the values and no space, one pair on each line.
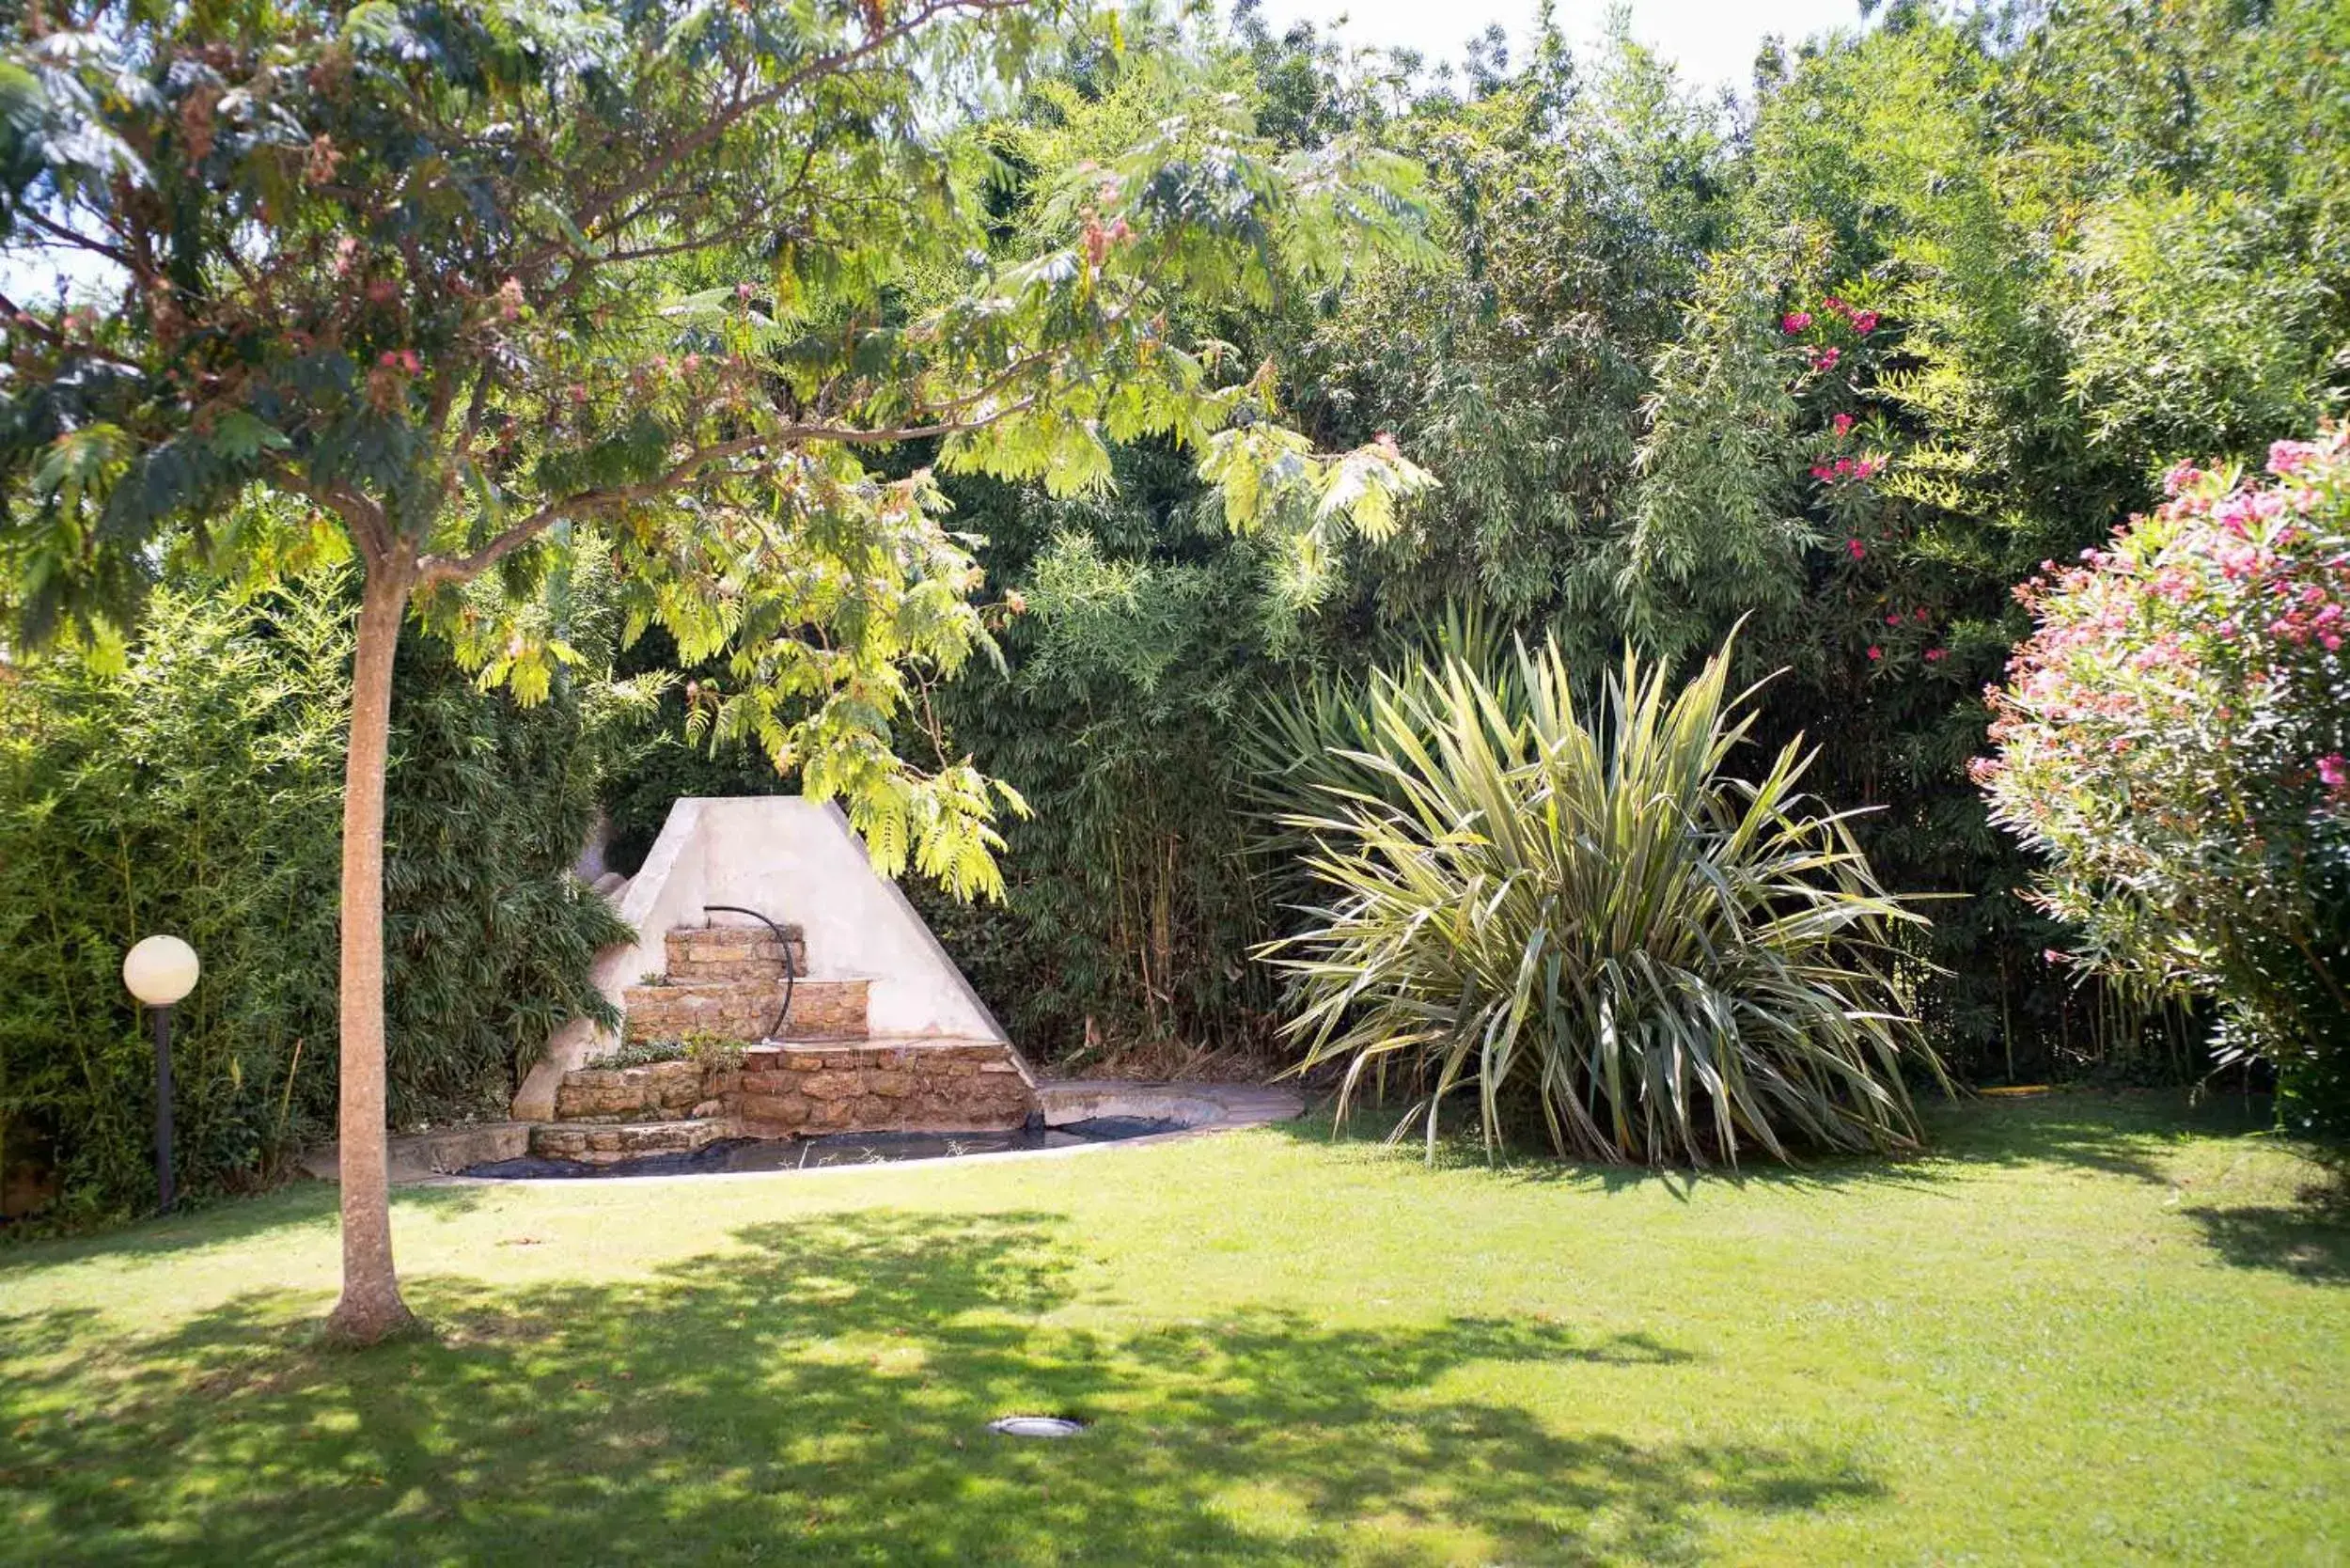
1940,303
198,792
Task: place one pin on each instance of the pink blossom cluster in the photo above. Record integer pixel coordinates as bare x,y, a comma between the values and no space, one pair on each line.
1920,617
1861,321
1845,468
2211,630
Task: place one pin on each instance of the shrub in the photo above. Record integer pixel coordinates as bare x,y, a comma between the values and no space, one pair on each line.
197,791
2172,737
637,1053
1600,926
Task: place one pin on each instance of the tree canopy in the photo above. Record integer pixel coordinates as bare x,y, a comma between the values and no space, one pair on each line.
470,285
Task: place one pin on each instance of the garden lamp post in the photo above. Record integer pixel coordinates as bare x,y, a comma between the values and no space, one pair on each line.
159,971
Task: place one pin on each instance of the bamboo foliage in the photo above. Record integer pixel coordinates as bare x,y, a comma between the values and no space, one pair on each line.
193,791
1598,926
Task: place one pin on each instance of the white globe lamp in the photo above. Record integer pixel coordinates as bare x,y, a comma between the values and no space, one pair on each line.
160,971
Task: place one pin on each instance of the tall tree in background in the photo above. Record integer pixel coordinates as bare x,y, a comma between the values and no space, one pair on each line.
483,287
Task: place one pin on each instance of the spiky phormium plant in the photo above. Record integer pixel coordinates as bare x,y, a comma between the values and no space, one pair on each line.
1598,927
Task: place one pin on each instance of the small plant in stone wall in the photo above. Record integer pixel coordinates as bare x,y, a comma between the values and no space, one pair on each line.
712,1050
653,977
640,1053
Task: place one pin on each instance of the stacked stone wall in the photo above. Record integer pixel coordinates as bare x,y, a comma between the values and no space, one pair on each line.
745,1010
836,1088
733,953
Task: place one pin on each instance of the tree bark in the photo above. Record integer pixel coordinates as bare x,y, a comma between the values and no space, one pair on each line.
370,1308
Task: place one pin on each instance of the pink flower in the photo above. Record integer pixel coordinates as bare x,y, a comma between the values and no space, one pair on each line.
1822,471
1865,323
1935,656
1832,302
1844,467
1921,614
1795,322
2288,457
1893,619
1824,360
1867,467
1876,653
1841,425
2334,771
1853,548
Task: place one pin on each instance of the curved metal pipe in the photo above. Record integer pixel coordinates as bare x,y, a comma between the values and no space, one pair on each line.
783,939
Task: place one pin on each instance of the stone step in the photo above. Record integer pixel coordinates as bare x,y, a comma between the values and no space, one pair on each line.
657,1091
599,1143
733,953
745,1010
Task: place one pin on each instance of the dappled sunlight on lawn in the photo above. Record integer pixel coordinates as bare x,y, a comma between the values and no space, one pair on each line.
826,1393
1290,1348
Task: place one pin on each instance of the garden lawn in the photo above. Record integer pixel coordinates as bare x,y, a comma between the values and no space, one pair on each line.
2082,1332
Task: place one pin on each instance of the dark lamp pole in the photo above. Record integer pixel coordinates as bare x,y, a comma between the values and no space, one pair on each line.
159,971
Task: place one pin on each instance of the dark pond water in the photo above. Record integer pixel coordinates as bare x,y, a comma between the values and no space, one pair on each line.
816,1154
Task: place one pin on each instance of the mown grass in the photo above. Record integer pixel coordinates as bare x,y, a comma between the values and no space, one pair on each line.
2086,1330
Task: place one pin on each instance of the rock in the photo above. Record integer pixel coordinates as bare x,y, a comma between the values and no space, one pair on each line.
830,1085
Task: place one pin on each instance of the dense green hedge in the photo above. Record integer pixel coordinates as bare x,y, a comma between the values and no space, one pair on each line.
198,790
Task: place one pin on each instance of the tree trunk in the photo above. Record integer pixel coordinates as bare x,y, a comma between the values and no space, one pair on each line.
371,1306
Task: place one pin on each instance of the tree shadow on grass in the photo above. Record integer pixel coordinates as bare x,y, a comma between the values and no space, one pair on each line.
2117,1133
1460,1147
2310,1243
223,1220
821,1396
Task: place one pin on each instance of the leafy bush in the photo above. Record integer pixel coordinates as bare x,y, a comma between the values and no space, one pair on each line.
2174,736
637,1053
1666,963
198,790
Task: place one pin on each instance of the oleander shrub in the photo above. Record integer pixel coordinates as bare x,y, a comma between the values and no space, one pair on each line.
2173,738
1597,927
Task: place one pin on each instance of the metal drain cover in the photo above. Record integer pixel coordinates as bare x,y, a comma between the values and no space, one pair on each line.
1035,1426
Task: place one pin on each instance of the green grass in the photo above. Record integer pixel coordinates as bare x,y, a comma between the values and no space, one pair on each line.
2082,1332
